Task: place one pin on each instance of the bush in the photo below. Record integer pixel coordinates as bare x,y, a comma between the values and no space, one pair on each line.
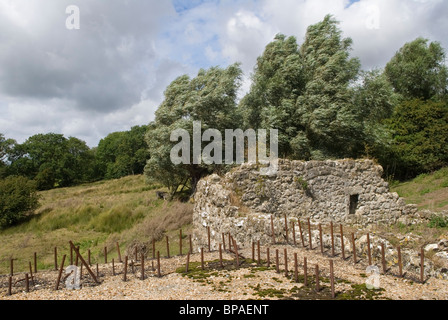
18,198
438,222
420,137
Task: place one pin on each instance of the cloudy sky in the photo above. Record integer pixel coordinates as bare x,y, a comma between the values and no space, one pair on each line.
110,74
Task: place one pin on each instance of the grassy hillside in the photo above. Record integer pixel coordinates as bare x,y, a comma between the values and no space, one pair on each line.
427,191
94,216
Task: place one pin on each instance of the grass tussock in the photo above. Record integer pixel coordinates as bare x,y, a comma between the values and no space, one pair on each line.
176,215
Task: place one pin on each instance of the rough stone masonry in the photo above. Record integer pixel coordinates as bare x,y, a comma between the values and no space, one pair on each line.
343,191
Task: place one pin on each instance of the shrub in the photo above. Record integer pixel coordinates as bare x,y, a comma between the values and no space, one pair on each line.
438,222
18,198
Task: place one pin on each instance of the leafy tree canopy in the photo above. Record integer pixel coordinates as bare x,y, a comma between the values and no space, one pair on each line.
418,70
210,98
18,197
52,160
419,137
122,153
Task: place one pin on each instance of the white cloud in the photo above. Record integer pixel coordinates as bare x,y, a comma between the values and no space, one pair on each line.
245,37
111,74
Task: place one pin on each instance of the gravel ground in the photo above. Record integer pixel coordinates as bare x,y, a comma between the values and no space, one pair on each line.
248,282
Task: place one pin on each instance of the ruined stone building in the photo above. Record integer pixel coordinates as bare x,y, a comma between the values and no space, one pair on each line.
343,191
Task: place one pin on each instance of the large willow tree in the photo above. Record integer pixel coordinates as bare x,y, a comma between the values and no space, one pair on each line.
210,98
305,92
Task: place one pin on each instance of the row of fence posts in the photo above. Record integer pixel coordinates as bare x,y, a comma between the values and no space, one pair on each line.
233,248
75,257
231,243
310,246
343,256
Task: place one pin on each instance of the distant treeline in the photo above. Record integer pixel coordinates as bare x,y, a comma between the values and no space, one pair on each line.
52,160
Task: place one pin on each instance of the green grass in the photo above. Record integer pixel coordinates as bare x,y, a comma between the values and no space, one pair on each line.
95,216
427,191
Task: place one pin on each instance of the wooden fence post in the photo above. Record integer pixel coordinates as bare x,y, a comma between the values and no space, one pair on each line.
286,229
317,278
422,265
168,246
55,258
208,239
259,253
272,230
321,239
342,242
354,248
27,283
237,254
224,241
383,259
293,233
60,273
180,242
296,271
276,261
202,258
158,264
309,234
301,233
118,251
153,248
76,261
83,261
31,274
220,256
305,272
268,257
142,261
125,271
332,279
253,250
332,239
369,253
10,286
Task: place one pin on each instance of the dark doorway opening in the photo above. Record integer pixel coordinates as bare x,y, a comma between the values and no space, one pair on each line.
354,200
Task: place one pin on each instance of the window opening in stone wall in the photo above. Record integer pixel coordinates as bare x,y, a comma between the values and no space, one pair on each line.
354,199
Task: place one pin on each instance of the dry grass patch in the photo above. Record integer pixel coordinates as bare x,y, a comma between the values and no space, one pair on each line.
93,216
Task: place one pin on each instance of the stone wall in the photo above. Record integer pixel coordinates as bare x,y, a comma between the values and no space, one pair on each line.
343,191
